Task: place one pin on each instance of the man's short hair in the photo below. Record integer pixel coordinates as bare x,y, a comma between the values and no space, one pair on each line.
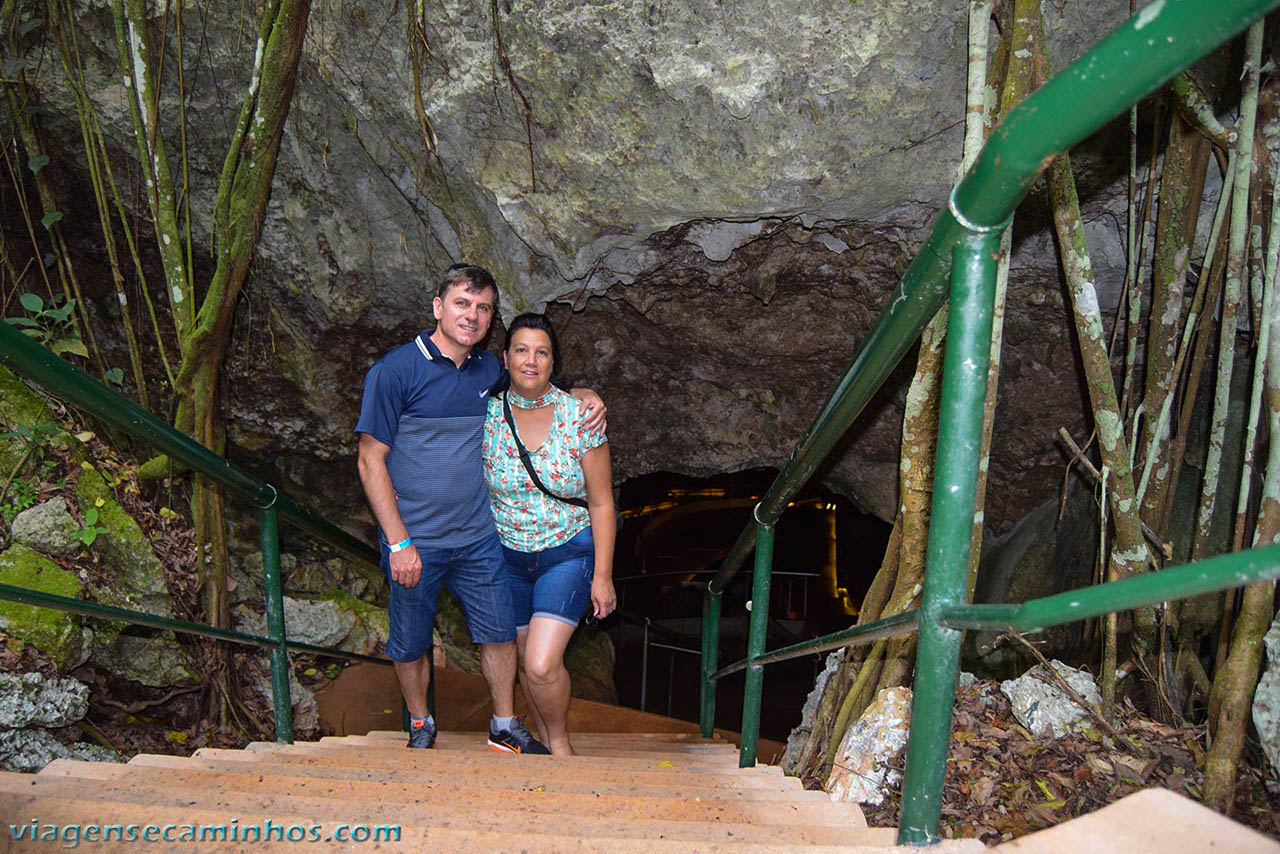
472,278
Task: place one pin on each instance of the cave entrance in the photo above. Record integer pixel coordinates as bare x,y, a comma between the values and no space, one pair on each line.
675,533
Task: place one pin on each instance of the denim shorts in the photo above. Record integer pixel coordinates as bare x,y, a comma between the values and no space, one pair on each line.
554,582
473,573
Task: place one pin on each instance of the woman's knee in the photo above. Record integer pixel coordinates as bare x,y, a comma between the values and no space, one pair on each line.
543,665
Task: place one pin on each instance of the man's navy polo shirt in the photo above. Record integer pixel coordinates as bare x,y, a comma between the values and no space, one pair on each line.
431,412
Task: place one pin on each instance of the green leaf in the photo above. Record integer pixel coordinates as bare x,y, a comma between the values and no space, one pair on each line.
37,161
90,517
21,321
88,535
115,376
32,303
69,345
59,315
28,26
38,334
50,218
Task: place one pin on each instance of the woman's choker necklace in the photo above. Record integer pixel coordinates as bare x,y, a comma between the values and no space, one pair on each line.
524,403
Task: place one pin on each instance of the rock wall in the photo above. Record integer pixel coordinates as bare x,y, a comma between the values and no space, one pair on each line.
724,193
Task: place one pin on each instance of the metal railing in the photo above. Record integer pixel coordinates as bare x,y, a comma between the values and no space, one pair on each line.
32,361
959,259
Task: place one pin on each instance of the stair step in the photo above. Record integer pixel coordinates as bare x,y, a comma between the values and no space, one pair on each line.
620,737
29,796
626,740
20,809
716,754
677,763
583,744
460,796
522,778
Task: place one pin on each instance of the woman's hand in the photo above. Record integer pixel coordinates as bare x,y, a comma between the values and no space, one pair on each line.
603,599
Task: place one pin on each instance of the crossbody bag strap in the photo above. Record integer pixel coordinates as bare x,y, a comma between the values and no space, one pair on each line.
528,463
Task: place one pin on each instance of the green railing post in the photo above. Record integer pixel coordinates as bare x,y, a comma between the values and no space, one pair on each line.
752,690
964,391
710,660
269,527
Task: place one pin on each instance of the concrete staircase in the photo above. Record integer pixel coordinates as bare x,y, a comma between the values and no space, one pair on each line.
624,792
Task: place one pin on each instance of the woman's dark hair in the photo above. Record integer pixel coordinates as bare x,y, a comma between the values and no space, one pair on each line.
541,323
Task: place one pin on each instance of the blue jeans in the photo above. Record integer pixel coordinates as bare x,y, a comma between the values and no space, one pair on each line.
554,582
473,573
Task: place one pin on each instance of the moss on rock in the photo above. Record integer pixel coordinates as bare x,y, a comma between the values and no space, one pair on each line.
373,625
137,579
55,633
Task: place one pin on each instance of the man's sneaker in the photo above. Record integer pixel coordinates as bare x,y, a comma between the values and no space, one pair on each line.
517,739
423,736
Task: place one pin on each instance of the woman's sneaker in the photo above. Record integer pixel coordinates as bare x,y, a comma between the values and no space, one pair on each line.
516,739
423,736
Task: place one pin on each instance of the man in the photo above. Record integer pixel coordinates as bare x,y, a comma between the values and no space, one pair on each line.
421,423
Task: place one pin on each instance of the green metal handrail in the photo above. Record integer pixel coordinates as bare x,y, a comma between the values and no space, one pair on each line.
84,608
1141,55
27,358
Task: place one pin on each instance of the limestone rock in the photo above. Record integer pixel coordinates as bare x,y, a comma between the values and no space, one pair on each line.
1043,707
319,622
246,575
31,699
1040,556
47,528
306,715
1266,703
19,407
29,750
157,660
861,773
136,576
589,660
55,633
372,627
800,735
675,147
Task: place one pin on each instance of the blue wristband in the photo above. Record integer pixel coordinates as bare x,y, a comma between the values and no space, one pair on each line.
401,546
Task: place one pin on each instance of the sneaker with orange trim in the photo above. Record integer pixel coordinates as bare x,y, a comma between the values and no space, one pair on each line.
517,739
422,734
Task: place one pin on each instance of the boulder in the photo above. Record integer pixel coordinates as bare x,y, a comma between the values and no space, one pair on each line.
55,633
862,772
1266,703
47,527
32,699
800,735
246,576
29,750
1041,556
372,626
155,660
1044,708
19,407
589,660
320,622
306,715
316,577
136,576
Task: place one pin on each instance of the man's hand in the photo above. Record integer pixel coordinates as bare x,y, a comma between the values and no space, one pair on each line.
592,408
406,566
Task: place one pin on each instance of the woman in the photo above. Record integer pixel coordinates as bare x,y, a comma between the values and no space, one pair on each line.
558,546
